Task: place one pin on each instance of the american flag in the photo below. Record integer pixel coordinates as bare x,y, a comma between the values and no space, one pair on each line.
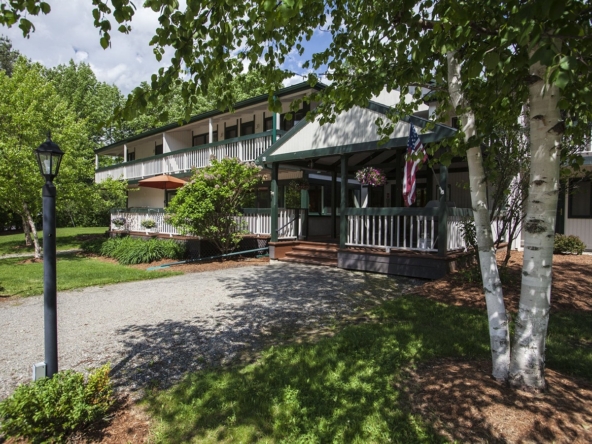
413,158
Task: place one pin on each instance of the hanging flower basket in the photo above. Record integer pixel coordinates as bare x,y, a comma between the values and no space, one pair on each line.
148,224
371,176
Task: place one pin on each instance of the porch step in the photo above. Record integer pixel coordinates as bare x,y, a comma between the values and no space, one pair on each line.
313,253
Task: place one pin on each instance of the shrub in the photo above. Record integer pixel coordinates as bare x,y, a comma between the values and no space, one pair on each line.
568,244
128,250
51,408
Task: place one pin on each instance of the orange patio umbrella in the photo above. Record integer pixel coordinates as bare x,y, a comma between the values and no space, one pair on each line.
162,182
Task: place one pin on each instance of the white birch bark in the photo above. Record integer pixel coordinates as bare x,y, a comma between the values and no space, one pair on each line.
27,230
527,368
31,223
499,333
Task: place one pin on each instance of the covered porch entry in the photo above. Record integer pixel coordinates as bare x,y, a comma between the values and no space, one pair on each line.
366,229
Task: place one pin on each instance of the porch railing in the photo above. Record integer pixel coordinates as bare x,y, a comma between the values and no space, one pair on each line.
245,148
257,221
392,228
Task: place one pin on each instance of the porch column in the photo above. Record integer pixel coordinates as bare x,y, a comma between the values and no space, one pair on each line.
274,123
443,213
343,206
274,201
399,178
333,204
125,152
210,131
304,203
96,161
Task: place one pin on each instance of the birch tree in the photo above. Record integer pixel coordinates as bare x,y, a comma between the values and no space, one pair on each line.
483,59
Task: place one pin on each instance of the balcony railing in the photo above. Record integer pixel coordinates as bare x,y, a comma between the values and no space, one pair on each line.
245,148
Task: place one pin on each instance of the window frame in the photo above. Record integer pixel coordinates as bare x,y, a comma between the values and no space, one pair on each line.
570,214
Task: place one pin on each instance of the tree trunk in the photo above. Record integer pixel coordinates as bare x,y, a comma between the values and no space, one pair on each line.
528,359
27,230
31,225
499,333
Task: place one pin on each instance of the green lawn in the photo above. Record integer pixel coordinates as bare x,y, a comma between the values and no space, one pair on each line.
18,279
342,389
65,239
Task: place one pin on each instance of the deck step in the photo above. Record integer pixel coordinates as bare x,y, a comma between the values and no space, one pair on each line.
313,253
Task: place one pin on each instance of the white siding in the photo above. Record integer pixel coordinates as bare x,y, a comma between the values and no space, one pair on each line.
145,198
143,149
354,126
177,141
393,97
579,227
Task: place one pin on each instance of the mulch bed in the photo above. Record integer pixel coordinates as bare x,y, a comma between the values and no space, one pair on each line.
572,285
463,401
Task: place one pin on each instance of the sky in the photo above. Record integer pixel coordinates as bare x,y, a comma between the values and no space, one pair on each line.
67,32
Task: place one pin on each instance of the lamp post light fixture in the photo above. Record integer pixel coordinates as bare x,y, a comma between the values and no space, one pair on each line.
49,157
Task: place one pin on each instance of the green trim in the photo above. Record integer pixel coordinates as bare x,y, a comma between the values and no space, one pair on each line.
391,211
256,210
399,142
137,210
193,148
242,104
460,212
438,133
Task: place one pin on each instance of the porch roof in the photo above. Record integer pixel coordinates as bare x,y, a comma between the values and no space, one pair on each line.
354,131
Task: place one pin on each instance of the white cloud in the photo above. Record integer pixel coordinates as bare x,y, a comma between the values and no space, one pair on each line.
67,32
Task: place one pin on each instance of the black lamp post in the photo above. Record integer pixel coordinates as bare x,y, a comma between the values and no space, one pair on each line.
49,157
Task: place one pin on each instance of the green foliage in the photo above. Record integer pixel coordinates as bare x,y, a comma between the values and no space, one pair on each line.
208,205
51,408
129,251
26,279
66,239
8,56
343,389
568,244
148,223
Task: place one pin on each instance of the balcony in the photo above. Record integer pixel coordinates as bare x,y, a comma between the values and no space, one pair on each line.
245,148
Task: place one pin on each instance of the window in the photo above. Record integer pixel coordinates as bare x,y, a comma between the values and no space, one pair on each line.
268,124
131,156
580,199
296,117
247,128
203,139
158,149
455,123
231,132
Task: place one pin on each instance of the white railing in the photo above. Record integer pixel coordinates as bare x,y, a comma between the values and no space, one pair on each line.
133,222
245,149
255,223
456,239
408,232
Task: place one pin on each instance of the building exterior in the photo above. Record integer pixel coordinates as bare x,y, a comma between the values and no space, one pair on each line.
338,222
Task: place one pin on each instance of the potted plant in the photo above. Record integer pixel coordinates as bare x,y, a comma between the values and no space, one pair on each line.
118,222
371,176
148,224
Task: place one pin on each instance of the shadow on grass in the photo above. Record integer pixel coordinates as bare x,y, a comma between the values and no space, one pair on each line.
339,389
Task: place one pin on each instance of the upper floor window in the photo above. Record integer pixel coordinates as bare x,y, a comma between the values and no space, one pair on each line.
268,124
580,199
131,156
203,139
296,117
247,128
157,149
230,132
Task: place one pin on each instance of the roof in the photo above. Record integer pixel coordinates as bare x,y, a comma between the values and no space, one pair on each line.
353,131
242,104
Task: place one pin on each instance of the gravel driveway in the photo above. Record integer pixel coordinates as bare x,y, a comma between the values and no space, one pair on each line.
155,331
